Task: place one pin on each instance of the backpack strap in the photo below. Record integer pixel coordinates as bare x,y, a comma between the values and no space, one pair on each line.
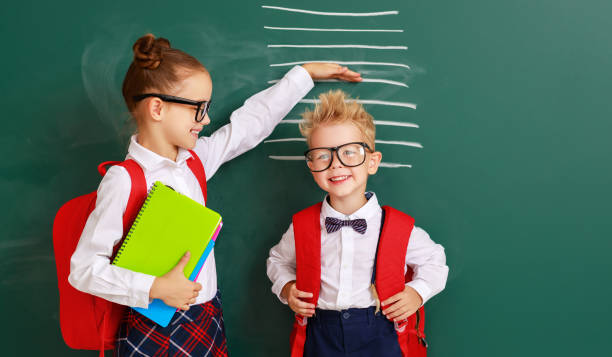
391,278
196,166
138,194
307,233
391,255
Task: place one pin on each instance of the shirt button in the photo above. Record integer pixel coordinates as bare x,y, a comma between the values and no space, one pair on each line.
346,315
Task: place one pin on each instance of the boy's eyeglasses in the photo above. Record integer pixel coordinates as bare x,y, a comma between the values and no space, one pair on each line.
202,106
350,155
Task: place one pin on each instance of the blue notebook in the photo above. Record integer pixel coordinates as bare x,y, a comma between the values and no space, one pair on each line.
161,313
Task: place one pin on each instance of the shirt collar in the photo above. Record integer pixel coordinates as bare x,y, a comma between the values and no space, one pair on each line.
150,160
367,211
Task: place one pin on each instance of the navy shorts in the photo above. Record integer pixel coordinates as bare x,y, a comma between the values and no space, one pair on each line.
351,332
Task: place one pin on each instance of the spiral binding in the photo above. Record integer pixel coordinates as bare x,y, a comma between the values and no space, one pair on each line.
134,224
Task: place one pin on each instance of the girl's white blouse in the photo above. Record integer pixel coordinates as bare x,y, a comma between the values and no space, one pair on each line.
90,268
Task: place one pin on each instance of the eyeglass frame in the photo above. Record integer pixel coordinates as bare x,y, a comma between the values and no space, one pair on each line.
335,149
179,100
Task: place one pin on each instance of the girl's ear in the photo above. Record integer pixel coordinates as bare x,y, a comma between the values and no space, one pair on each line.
373,162
154,108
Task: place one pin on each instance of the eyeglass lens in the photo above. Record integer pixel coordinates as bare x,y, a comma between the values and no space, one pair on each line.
202,111
349,155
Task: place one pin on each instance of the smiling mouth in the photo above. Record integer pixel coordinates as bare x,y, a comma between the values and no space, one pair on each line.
339,179
195,132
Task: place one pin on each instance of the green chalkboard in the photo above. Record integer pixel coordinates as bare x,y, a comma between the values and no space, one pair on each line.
509,153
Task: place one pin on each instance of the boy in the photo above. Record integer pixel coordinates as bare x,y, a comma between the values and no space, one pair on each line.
330,266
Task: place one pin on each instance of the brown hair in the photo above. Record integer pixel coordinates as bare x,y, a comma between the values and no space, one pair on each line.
337,107
156,67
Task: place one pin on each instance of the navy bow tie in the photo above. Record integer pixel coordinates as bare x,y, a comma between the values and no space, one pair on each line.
334,224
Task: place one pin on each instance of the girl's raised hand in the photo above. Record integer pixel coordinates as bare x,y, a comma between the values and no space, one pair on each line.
331,70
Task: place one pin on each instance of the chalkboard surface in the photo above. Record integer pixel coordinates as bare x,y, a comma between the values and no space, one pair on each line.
493,117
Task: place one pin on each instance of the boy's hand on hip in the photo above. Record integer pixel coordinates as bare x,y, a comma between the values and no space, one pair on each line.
174,289
294,299
330,71
402,305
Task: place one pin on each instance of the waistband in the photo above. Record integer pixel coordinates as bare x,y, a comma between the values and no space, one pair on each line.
352,315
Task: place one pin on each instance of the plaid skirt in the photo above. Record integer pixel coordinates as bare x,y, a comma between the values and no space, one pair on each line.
194,333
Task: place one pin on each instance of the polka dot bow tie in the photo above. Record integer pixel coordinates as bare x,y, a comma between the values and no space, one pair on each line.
334,224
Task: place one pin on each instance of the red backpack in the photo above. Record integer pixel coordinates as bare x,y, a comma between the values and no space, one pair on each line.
389,268
89,322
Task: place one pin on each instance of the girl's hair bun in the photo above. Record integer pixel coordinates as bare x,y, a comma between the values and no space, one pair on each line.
149,51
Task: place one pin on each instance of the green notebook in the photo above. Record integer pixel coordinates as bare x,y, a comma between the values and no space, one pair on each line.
168,224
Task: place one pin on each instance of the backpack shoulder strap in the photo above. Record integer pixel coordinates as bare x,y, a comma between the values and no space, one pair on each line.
138,192
391,255
196,166
307,232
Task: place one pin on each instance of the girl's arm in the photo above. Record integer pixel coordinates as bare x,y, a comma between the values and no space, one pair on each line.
281,263
428,262
256,119
90,268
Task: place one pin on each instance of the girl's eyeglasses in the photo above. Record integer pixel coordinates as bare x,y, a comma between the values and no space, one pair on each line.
350,155
202,106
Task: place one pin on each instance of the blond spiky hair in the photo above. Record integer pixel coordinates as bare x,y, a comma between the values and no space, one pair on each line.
337,107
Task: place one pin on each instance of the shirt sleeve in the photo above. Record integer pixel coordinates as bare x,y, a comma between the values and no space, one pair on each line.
254,121
281,263
428,262
90,268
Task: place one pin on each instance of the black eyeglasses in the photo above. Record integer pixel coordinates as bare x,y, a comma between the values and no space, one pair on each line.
202,106
350,155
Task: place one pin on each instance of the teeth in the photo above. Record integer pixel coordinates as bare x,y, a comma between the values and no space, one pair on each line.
339,178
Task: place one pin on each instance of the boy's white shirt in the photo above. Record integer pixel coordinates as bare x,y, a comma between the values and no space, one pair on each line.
347,261
90,268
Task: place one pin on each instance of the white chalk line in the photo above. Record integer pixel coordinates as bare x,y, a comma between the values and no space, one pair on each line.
395,123
325,13
342,46
367,101
363,80
391,165
402,143
386,142
376,122
327,29
283,140
361,63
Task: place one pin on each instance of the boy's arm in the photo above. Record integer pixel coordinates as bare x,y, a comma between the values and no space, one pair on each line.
254,121
428,262
90,268
281,263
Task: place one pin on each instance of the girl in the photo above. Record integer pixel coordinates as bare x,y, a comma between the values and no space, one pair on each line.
168,92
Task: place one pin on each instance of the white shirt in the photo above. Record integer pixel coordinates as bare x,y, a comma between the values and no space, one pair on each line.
90,268
347,261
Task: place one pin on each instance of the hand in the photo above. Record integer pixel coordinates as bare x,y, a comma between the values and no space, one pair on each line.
294,296
403,304
174,289
331,70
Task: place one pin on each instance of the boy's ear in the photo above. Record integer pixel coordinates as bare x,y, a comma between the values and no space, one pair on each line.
373,162
154,108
